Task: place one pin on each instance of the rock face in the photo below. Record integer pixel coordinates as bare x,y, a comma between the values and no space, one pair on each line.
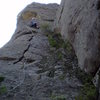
33,70
79,22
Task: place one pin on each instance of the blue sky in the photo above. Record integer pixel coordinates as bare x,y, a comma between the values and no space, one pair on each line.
9,10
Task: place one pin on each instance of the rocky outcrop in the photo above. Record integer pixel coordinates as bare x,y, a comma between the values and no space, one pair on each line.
32,69
79,23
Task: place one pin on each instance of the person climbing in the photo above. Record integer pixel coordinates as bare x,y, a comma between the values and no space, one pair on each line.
34,24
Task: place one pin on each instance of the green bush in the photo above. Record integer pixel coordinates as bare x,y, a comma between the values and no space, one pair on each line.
46,28
59,55
67,46
2,78
60,97
3,89
88,92
52,41
62,77
83,77
55,39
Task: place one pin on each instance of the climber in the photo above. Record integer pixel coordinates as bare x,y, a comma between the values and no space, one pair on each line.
33,23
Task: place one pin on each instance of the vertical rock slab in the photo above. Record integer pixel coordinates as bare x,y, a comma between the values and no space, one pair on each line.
79,23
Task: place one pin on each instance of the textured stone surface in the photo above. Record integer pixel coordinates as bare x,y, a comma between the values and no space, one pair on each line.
79,22
31,68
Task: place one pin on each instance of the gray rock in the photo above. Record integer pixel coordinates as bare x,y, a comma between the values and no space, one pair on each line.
31,69
79,22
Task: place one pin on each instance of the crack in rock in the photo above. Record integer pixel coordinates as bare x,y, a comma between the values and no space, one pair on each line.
22,57
25,33
7,58
49,20
61,12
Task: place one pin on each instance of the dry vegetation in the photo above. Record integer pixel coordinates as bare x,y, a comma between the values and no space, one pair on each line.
28,15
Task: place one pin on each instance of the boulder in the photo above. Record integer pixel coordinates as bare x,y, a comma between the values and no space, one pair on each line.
79,23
